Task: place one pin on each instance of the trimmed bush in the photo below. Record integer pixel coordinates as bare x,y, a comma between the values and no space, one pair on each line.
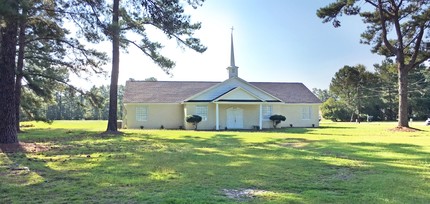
276,119
194,119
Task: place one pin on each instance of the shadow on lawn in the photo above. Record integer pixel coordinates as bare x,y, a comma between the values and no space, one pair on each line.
143,167
24,174
65,173
298,166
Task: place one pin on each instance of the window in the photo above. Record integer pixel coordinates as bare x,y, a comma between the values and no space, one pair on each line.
306,112
202,111
267,112
141,113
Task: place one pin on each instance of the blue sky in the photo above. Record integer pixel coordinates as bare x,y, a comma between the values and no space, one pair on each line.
275,40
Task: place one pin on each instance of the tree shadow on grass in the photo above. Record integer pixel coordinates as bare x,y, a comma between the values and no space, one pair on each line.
189,167
77,169
299,168
325,168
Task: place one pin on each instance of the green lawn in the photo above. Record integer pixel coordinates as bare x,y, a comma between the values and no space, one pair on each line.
336,163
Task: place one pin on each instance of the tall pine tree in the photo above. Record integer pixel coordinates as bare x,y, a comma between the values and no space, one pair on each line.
136,16
9,15
396,28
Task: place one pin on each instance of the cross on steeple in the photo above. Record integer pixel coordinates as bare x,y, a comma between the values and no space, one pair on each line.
232,69
232,50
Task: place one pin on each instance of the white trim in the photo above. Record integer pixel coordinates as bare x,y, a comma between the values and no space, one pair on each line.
306,112
259,89
245,103
260,120
217,116
202,111
141,113
264,113
126,104
196,103
303,104
226,81
206,90
238,121
239,88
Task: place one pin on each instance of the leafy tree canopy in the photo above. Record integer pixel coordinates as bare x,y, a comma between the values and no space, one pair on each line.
395,28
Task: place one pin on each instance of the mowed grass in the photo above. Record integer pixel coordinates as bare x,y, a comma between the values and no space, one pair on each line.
336,163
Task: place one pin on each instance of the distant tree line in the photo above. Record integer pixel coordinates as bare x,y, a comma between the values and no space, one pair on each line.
356,93
69,104
43,42
396,29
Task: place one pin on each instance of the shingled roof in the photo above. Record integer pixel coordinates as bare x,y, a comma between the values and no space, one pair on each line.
288,92
178,91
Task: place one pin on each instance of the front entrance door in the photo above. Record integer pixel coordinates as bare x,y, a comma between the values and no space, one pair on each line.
234,118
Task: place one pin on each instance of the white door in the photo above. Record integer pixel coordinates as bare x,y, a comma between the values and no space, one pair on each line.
234,118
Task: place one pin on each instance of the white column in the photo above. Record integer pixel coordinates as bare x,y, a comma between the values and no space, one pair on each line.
217,117
261,117
185,116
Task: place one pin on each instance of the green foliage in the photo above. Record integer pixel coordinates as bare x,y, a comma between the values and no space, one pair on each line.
396,29
194,119
126,23
374,94
291,165
386,89
151,79
276,119
322,94
335,110
353,86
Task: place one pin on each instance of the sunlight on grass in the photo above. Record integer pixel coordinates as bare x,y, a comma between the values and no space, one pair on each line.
164,174
23,178
336,163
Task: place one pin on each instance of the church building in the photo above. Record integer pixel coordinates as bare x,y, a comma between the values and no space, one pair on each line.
230,104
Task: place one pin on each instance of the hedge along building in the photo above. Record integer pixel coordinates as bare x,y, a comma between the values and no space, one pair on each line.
231,104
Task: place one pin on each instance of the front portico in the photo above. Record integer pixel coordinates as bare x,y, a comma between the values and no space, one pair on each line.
236,103
231,104
222,115
238,116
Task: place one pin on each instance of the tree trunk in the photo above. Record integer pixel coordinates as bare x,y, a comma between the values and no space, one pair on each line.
390,99
20,67
113,95
403,97
8,41
352,117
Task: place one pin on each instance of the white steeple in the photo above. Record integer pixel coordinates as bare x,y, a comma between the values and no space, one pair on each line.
232,69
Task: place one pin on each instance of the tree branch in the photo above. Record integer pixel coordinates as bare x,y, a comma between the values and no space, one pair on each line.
417,46
384,28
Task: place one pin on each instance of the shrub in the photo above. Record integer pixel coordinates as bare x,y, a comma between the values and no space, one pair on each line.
335,110
194,119
277,119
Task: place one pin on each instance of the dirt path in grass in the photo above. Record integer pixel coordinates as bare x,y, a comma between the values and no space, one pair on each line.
24,147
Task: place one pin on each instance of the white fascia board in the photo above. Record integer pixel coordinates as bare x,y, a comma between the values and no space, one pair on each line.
208,89
302,104
259,89
152,103
240,88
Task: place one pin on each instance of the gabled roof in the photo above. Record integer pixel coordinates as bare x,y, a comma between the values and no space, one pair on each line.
162,91
288,92
179,91
238,94
230,85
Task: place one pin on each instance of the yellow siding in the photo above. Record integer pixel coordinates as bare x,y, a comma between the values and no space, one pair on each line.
168,115
172,116
293,114
209,124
